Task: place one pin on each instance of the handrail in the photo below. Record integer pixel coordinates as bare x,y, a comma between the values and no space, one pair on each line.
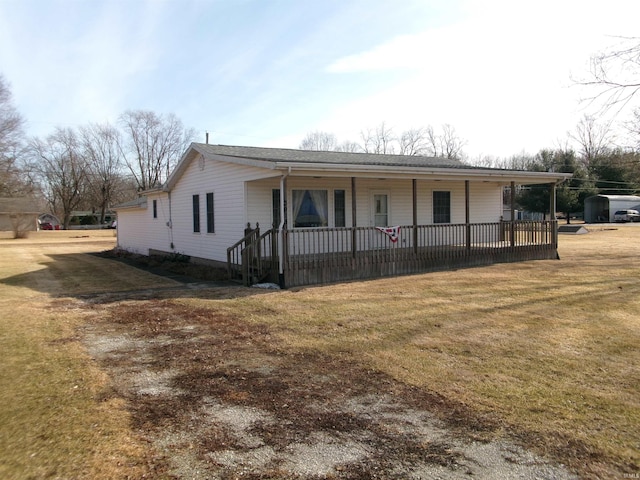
254,257
234,254
243,240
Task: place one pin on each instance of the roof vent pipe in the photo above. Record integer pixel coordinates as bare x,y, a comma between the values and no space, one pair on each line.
206,138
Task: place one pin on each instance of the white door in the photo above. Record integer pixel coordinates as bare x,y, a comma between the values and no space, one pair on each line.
380,208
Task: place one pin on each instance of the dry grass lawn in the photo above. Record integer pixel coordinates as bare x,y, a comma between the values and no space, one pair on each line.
547,350
51,425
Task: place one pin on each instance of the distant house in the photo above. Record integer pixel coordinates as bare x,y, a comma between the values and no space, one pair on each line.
332,216
18,213
601,208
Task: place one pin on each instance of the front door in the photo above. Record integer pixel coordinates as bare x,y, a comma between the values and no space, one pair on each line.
380,209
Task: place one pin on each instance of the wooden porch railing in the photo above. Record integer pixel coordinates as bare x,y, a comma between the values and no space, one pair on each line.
254,258
323,255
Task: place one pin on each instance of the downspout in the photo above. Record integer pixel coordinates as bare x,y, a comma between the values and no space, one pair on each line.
354,219
552,218
467,213
170,222
414,201
283,222
512,224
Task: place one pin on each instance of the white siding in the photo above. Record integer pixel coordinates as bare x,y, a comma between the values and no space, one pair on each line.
485,206
158,231
243,194
485,199
227,183
132,229
138,231
260,202
259,197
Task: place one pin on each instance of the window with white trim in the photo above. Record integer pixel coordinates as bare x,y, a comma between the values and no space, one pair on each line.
210,218
196,213
275,207
339,208
310,208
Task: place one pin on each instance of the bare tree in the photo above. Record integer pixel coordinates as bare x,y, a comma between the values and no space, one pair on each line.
414,142
378,140
451,143
125,189
349,147
62,168
632,126
101,147
12,182
446,144
521,161
486,161
592,138
616,73
381,140
21,224
319,141
154,144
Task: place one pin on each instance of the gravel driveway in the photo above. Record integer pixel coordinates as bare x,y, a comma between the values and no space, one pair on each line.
218,398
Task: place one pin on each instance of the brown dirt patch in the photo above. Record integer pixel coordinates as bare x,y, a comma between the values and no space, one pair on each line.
220,398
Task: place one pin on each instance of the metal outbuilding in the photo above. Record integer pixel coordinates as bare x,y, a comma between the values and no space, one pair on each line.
601,208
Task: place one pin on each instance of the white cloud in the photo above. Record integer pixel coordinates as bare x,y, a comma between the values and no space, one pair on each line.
498,71
502,75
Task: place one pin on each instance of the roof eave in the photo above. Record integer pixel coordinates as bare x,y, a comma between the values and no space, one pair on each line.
517,175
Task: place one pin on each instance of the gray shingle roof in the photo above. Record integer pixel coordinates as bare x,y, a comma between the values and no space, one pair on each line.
139,202
19,205
283,155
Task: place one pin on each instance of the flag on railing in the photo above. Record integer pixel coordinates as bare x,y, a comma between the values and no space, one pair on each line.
392,232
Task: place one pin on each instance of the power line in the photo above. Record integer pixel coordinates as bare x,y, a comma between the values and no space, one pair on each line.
591,180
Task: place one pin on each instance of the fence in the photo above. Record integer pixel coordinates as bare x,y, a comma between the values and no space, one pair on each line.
322,255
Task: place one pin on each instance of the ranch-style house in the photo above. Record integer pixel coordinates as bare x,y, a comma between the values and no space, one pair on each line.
297,217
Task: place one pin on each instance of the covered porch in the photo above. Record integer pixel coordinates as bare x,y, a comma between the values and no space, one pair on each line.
314,255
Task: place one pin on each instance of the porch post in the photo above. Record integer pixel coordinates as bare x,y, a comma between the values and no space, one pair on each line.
512,229
552,202
467,215
552,215
415,215
282,246
354,221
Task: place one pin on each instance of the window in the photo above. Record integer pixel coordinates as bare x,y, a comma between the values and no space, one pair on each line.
210,222
441,207
155,209
339,208
275,207
310,208
196,214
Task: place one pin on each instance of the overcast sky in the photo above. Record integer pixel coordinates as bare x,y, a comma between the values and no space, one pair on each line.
267,72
